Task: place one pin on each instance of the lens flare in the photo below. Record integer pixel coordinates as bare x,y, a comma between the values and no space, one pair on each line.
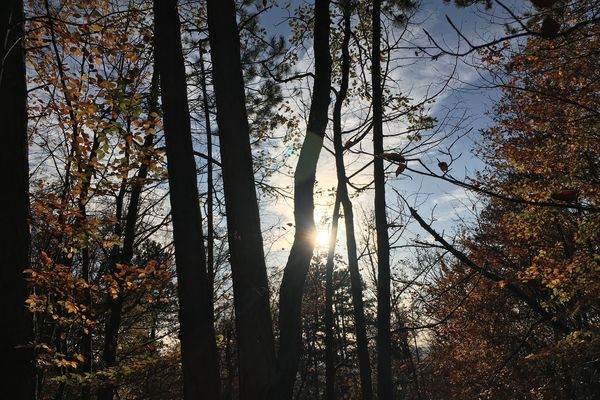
322,238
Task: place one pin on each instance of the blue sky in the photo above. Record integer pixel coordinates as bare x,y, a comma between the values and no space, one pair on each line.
465,103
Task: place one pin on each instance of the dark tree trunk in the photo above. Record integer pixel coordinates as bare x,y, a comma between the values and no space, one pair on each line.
196,333
292,284
17,379
210,240
329,317
86,337
249,273
355,279
384,351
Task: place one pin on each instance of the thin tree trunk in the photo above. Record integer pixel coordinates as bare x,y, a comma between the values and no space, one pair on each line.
249,273
329,317
384,350
292,284
210,241
196,333
228,395
355,278
115,304
125,254
17,380
86,337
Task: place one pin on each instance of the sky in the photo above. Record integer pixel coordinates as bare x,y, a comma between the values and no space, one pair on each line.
463,107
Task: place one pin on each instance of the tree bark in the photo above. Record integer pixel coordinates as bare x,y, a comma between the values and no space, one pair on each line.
329,317
210,238
294,276
355,278
249,273
384,350
196,333
17,379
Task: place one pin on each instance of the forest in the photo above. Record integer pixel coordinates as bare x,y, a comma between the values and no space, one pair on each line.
300,199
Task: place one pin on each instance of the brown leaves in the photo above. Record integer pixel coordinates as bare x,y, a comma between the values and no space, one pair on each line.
394,157
400,169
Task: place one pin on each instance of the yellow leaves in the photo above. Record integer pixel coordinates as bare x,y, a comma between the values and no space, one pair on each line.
133,57
96,28
36,303
221,342
70,307
63,362
91,108
113,292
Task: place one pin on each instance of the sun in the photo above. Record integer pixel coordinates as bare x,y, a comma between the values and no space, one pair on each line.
322,238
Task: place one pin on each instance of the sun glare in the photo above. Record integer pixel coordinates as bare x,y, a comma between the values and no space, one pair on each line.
322,238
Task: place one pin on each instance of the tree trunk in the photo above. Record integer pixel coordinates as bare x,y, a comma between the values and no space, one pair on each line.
355,279
292,284
329,317
384,350
210,237
196,333
17,379
125,254
249,273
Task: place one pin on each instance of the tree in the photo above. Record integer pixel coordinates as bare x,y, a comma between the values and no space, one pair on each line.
292,284
249,274
15,340
536,309
197,335
329,316
353,267
384,360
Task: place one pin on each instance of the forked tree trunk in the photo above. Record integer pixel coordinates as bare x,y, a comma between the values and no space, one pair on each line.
355,278
384,350
17,378
249,273
196,333
294,276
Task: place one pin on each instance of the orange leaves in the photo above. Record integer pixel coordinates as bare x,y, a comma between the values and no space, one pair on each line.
70,307
134,279
47,356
